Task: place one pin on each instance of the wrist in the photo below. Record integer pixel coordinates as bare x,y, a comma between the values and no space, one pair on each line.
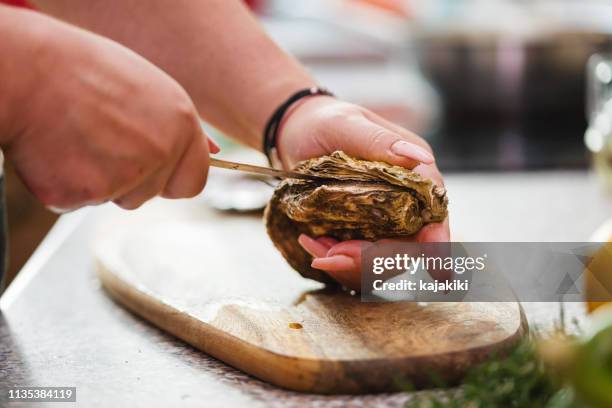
272,94
280,116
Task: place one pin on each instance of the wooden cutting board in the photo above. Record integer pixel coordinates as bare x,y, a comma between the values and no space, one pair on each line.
215,281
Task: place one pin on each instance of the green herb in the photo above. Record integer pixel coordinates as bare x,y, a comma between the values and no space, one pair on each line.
554,370
519,379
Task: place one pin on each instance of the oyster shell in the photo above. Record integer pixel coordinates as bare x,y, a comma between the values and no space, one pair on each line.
361,200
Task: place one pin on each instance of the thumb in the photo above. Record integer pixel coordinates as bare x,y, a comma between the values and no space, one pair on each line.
365,139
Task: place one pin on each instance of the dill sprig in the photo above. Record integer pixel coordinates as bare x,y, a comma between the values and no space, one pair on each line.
518,379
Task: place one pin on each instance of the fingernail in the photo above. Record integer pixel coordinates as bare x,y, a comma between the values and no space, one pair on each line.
412,151
334,263
314,248
213,146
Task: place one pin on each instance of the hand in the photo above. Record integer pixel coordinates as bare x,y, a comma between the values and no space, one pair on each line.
100,123
320,125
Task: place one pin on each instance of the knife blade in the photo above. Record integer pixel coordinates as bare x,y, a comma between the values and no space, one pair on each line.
266,171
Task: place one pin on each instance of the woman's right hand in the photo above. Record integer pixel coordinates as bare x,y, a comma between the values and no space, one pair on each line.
91,121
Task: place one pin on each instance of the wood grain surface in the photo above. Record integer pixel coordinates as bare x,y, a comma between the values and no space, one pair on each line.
215,281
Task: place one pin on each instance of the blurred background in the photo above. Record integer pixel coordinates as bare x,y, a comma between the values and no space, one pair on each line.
493,85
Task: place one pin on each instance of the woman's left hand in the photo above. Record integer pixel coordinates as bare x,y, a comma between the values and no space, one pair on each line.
320,125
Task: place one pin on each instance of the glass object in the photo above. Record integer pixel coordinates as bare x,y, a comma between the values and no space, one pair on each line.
598,136
3,232
598,139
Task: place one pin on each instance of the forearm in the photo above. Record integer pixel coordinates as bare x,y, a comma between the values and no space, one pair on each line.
214,48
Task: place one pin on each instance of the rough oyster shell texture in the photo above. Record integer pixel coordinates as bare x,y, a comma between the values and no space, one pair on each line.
359,200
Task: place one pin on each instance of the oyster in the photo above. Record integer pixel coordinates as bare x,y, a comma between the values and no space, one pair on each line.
359,200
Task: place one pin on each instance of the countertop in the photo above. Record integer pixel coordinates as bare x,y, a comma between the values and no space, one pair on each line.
59,328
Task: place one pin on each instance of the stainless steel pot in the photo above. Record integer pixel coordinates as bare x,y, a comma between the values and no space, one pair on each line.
509,77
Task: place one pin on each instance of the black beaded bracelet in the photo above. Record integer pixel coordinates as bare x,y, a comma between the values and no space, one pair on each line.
272,127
